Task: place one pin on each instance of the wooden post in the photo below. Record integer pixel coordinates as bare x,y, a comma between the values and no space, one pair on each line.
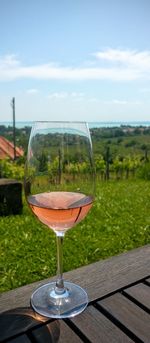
107,157
14,128
59,166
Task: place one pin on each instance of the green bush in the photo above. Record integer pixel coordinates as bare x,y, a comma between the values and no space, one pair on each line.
144,171
11,170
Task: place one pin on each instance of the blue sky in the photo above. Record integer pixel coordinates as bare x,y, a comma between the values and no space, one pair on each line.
75,60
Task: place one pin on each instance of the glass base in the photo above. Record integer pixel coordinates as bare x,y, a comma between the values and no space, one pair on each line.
48,303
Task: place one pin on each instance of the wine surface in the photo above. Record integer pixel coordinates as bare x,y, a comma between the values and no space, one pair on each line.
60,210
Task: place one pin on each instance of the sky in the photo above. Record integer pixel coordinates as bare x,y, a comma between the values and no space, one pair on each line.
75,60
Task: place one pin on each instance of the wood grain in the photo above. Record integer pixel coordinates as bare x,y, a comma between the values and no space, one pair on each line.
141,293
148,281
118,317
98,279
97,328
67,335
129,315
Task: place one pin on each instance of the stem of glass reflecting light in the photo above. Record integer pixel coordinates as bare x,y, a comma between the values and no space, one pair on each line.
59,289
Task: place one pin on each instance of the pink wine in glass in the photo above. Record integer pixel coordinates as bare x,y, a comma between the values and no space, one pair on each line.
59,187
60,210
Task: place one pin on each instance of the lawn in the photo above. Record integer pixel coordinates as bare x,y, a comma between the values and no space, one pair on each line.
118,221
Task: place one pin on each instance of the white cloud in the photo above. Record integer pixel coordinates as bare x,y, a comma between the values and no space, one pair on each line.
125,102
32,91
9,61
93,99
120,65
64,95
77,95
132,58
58,95
119,102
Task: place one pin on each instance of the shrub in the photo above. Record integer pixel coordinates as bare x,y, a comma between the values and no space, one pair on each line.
9,169
144,171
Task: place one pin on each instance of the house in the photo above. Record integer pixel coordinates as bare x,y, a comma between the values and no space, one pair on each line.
7,149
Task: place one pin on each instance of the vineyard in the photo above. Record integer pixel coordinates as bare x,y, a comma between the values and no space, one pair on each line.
119,153
119,220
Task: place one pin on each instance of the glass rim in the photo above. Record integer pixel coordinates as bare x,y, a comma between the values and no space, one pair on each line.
61,121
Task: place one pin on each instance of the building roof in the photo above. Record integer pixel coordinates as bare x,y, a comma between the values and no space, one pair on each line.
7,149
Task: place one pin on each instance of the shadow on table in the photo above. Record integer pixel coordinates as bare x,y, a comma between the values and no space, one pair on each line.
24,321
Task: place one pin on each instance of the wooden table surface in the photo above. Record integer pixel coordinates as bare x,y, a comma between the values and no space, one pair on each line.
118,311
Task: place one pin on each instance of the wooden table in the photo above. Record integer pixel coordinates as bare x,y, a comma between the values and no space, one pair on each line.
119,308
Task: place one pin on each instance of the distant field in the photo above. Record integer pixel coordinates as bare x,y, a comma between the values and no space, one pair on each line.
123,141
123,145
119,221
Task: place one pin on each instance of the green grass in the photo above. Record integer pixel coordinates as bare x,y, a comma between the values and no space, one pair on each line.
118,221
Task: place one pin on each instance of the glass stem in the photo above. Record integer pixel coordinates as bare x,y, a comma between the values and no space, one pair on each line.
59,289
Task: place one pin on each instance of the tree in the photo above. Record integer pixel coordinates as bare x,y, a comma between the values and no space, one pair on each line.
118,167
108,160
144,148
100,165
43,162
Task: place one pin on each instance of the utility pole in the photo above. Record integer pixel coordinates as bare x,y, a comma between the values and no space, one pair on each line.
14,128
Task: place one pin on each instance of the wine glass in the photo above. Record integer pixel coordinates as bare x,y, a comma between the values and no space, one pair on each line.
59,189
